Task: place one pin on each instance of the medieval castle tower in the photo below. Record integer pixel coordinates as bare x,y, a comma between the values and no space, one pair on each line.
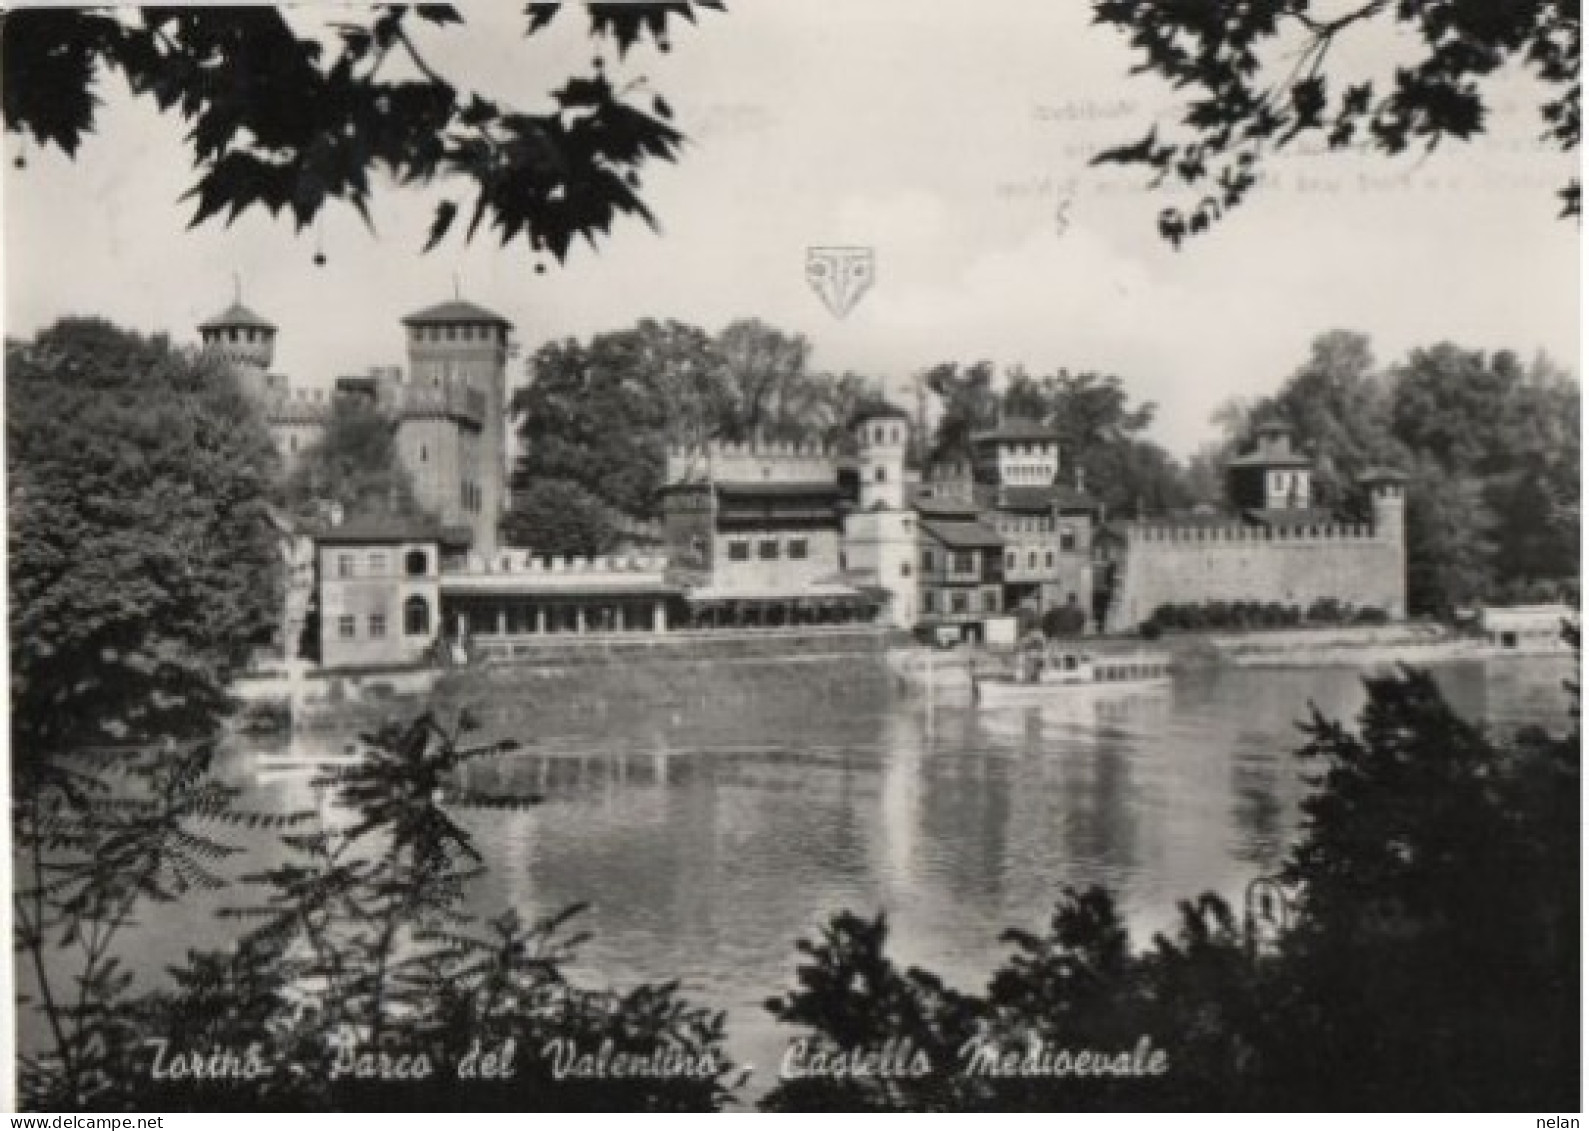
449,410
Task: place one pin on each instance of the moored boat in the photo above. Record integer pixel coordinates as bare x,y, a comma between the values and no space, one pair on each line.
1042,670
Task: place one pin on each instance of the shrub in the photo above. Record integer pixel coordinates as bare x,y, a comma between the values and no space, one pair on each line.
1064,621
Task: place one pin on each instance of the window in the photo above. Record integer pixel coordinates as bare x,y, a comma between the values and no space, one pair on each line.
416,616
1067,540
377,626
1048,559
344,565
1009,559
416,563
990,602
292,443
965,561
882,474
424,454
926,560
346,628
377,564
1031,559
958,603
877,434
797,548
904,569
929,601
739,550
767,549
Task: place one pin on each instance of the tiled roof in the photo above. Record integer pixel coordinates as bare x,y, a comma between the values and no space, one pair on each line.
390,528
457,310
962,535
879,411
928,507
1071,500
1016,429
754,490
236,315
1381,475
1271,458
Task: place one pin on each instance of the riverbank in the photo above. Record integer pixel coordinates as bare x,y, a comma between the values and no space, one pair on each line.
1352,646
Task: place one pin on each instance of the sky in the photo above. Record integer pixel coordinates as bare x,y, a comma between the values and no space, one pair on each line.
951,138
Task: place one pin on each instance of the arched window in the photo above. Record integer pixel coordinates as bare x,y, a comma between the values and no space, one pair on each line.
416,564
416,617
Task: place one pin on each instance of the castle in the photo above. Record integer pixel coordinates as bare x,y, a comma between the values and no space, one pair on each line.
449,408
761,536
1274,545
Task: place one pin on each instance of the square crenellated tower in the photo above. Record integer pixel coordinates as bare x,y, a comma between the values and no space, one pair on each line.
452,415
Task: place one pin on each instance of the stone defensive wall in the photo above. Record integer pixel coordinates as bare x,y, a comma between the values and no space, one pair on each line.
1168,564
299,406
752,463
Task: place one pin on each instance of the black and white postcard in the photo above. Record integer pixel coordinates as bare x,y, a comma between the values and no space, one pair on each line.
852,555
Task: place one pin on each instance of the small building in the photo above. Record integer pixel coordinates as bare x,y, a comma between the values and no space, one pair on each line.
1018,453
506,604
1274,476
962,570
1527,628
753,534
380,590
1047,535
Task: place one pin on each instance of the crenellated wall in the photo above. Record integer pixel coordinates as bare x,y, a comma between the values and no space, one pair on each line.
1355,564
752,463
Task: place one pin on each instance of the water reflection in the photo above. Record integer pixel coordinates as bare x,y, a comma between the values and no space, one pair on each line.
708,836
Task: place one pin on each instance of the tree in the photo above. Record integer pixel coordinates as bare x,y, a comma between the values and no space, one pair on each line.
970,404
560,518
1255,83
603,415
143,564
773,394
353,464
287,119
1337,402
1099,431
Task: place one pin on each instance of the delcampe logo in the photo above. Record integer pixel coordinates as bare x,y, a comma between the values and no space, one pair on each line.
840,275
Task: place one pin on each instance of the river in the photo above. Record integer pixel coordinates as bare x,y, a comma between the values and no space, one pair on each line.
707,840
708,835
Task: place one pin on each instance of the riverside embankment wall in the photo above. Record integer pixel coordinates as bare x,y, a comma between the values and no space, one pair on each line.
620,679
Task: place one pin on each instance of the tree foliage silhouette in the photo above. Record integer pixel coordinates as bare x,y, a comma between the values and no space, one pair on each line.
287,114
1257,78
